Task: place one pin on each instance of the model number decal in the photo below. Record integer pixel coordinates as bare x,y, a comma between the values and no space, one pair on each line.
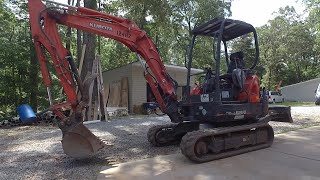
99,26
239,117
123,34
237,113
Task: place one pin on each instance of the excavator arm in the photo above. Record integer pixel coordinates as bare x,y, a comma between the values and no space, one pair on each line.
44,20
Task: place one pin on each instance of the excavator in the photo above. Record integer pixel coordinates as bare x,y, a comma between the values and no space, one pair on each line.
231,106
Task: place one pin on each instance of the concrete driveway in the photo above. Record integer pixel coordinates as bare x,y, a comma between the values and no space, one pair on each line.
293,156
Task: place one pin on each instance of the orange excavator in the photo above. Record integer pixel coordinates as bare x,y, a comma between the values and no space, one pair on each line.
230,103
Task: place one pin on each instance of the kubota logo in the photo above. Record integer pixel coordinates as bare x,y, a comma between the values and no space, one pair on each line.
99,26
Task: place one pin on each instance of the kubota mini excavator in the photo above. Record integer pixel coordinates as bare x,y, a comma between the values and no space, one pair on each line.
231,103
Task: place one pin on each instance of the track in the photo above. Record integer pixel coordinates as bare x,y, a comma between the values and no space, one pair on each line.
170,134
162,135
208,145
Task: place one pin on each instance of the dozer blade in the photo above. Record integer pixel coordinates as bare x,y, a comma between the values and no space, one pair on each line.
280,113
80,142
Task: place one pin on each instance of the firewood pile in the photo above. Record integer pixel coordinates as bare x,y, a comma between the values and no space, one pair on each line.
48,118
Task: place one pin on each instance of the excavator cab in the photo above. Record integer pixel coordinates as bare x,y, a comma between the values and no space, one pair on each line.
234,94
229,104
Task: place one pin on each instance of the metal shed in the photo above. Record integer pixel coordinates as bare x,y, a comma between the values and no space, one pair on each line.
302,92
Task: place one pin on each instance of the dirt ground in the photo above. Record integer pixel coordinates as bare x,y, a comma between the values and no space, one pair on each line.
35,152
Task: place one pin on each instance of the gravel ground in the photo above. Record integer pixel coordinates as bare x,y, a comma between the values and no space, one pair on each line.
35,152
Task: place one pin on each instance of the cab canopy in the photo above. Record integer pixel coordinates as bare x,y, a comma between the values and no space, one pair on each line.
232,28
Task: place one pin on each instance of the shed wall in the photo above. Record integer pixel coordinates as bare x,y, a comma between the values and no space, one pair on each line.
137,83
115,75
138,91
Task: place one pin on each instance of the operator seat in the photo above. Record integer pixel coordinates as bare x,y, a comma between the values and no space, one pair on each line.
236,61
208,84
236,67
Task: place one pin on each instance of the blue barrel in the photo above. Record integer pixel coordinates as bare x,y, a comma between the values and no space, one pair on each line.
26,114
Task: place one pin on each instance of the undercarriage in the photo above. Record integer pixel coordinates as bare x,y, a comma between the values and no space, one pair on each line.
206,144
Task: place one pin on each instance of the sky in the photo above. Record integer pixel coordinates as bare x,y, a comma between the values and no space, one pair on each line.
258,12
255,12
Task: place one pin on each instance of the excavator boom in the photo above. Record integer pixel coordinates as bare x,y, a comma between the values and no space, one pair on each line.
78,141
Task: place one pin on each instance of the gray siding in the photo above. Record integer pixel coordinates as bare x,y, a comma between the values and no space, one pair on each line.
137,82
303,92
181,77
139,87
116,74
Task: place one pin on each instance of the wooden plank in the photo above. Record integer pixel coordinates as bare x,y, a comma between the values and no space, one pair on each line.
103,108
106,93
115,94
82,57
93,71
97,102
95,111
80,67
124,92
86,110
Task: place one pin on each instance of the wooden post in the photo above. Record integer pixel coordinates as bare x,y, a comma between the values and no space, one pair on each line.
80,71
101,95
97,111
99,106
93,71
82,57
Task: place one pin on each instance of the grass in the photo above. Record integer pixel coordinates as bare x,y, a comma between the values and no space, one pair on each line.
297,103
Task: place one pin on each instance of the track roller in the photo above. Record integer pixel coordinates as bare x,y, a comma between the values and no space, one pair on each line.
211,144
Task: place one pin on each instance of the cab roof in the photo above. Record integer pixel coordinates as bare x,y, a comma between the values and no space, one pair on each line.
232,28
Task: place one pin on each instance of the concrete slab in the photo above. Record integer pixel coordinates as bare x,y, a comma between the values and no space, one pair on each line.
293,156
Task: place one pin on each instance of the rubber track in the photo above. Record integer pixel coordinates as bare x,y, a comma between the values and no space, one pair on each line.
189,141
154,130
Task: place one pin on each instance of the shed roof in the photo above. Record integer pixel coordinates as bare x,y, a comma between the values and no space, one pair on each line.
316,81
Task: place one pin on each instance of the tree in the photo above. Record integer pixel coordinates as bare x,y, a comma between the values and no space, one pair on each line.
169,27
286,46
90,41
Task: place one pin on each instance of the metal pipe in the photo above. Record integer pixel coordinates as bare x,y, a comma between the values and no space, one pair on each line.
217,95
256,43
189,67
49,96
226,52
75,71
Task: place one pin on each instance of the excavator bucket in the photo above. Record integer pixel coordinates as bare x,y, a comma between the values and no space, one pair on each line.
79,142
280,113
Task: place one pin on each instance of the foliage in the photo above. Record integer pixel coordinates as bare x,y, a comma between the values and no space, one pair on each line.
287,49
289,44
246,45
169,27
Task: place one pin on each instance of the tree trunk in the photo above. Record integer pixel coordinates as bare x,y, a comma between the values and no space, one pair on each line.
68,40
33,76
79,40
90,41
